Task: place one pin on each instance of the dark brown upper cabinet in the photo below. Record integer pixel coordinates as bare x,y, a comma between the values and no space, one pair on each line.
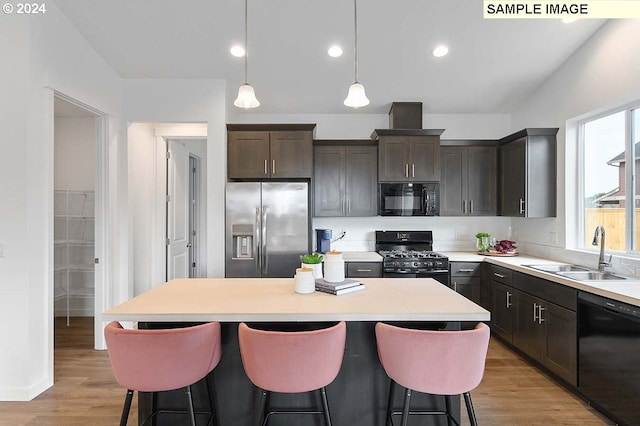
468,180
269,151
345,180
408,155
527,167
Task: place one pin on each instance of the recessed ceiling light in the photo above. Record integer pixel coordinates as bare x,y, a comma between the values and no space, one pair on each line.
335,51
569,20
440,51
237,51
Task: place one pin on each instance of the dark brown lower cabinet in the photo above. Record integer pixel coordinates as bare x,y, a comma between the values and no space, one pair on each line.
547,333
501,308
363,269
523,315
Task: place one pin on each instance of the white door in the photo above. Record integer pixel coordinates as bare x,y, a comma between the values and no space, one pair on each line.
177,210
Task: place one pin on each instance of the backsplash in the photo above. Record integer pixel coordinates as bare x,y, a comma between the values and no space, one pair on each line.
449,233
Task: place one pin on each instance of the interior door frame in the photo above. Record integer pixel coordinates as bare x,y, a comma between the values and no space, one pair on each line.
102,292
159,255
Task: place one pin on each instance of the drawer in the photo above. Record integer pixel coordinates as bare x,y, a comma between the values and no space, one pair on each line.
500,274
465,269
364,269
558,294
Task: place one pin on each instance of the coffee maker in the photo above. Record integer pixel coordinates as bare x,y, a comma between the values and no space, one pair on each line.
323,240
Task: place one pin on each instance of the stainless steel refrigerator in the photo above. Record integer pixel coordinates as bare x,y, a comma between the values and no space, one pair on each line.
267,228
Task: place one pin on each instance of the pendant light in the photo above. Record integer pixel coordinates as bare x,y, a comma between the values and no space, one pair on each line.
246,95
356,97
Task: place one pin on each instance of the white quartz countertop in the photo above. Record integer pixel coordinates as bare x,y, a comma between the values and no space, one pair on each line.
273,299
361,256
627,291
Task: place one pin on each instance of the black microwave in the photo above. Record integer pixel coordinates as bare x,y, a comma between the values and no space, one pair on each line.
409,199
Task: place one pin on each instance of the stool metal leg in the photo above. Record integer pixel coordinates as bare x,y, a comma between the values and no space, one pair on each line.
260,406
126,408
213,398
472,414
192,415
392,392
325,406
405,407
447,403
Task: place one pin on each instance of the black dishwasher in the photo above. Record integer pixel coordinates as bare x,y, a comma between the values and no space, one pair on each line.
609,356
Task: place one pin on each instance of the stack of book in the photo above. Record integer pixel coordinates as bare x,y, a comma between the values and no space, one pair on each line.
342,287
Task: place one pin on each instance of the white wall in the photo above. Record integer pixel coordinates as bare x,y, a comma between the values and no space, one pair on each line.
75,153
602,74
143,152
360,126
37,55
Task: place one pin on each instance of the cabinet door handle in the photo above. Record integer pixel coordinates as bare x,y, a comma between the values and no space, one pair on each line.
540,311
413,170
363,270
348,206
266,168
470,206
464,206
498,275
508,299
535,312
466,270
521,206
406,170
273,167
455,286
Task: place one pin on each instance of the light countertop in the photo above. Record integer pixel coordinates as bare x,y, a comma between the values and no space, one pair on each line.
273,299
623,291
361,256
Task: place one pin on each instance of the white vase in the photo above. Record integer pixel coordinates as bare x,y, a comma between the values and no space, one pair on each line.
304,282
317,269
333,267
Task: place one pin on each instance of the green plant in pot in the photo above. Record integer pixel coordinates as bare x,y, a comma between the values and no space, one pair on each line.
313,261
483,241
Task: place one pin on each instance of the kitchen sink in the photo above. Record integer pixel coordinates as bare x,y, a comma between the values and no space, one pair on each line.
555,268
590,275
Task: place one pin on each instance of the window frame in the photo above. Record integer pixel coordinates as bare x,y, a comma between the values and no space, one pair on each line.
630,176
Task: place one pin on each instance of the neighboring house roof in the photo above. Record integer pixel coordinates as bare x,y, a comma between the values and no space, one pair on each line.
620,157
608,197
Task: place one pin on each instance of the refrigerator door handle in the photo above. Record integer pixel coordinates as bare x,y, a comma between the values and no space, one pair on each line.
265,264
257,239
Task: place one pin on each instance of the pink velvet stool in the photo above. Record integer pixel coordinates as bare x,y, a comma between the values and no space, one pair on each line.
434,362
164,360
291,362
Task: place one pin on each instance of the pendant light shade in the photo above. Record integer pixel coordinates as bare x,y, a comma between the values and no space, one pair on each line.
356,97
246,95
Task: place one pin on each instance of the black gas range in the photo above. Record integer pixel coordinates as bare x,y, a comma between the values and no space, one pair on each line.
409,254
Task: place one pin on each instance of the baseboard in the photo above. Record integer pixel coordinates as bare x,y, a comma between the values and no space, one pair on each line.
25,394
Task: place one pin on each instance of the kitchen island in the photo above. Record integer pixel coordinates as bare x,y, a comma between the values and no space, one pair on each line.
358,395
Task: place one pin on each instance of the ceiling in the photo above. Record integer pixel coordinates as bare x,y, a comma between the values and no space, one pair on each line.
493,64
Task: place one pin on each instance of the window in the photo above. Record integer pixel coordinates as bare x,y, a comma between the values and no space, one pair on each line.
610,156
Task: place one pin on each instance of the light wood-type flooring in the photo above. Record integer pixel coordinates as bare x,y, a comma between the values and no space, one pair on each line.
85,392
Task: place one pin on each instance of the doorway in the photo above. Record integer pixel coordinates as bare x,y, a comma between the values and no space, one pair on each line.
75,156
167,200
184,208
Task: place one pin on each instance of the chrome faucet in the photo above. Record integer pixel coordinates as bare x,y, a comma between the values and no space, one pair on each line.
601,262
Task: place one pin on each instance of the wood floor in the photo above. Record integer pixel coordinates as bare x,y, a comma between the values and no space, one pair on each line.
85,392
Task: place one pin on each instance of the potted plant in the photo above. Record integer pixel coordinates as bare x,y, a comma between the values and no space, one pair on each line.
313,261
483,242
